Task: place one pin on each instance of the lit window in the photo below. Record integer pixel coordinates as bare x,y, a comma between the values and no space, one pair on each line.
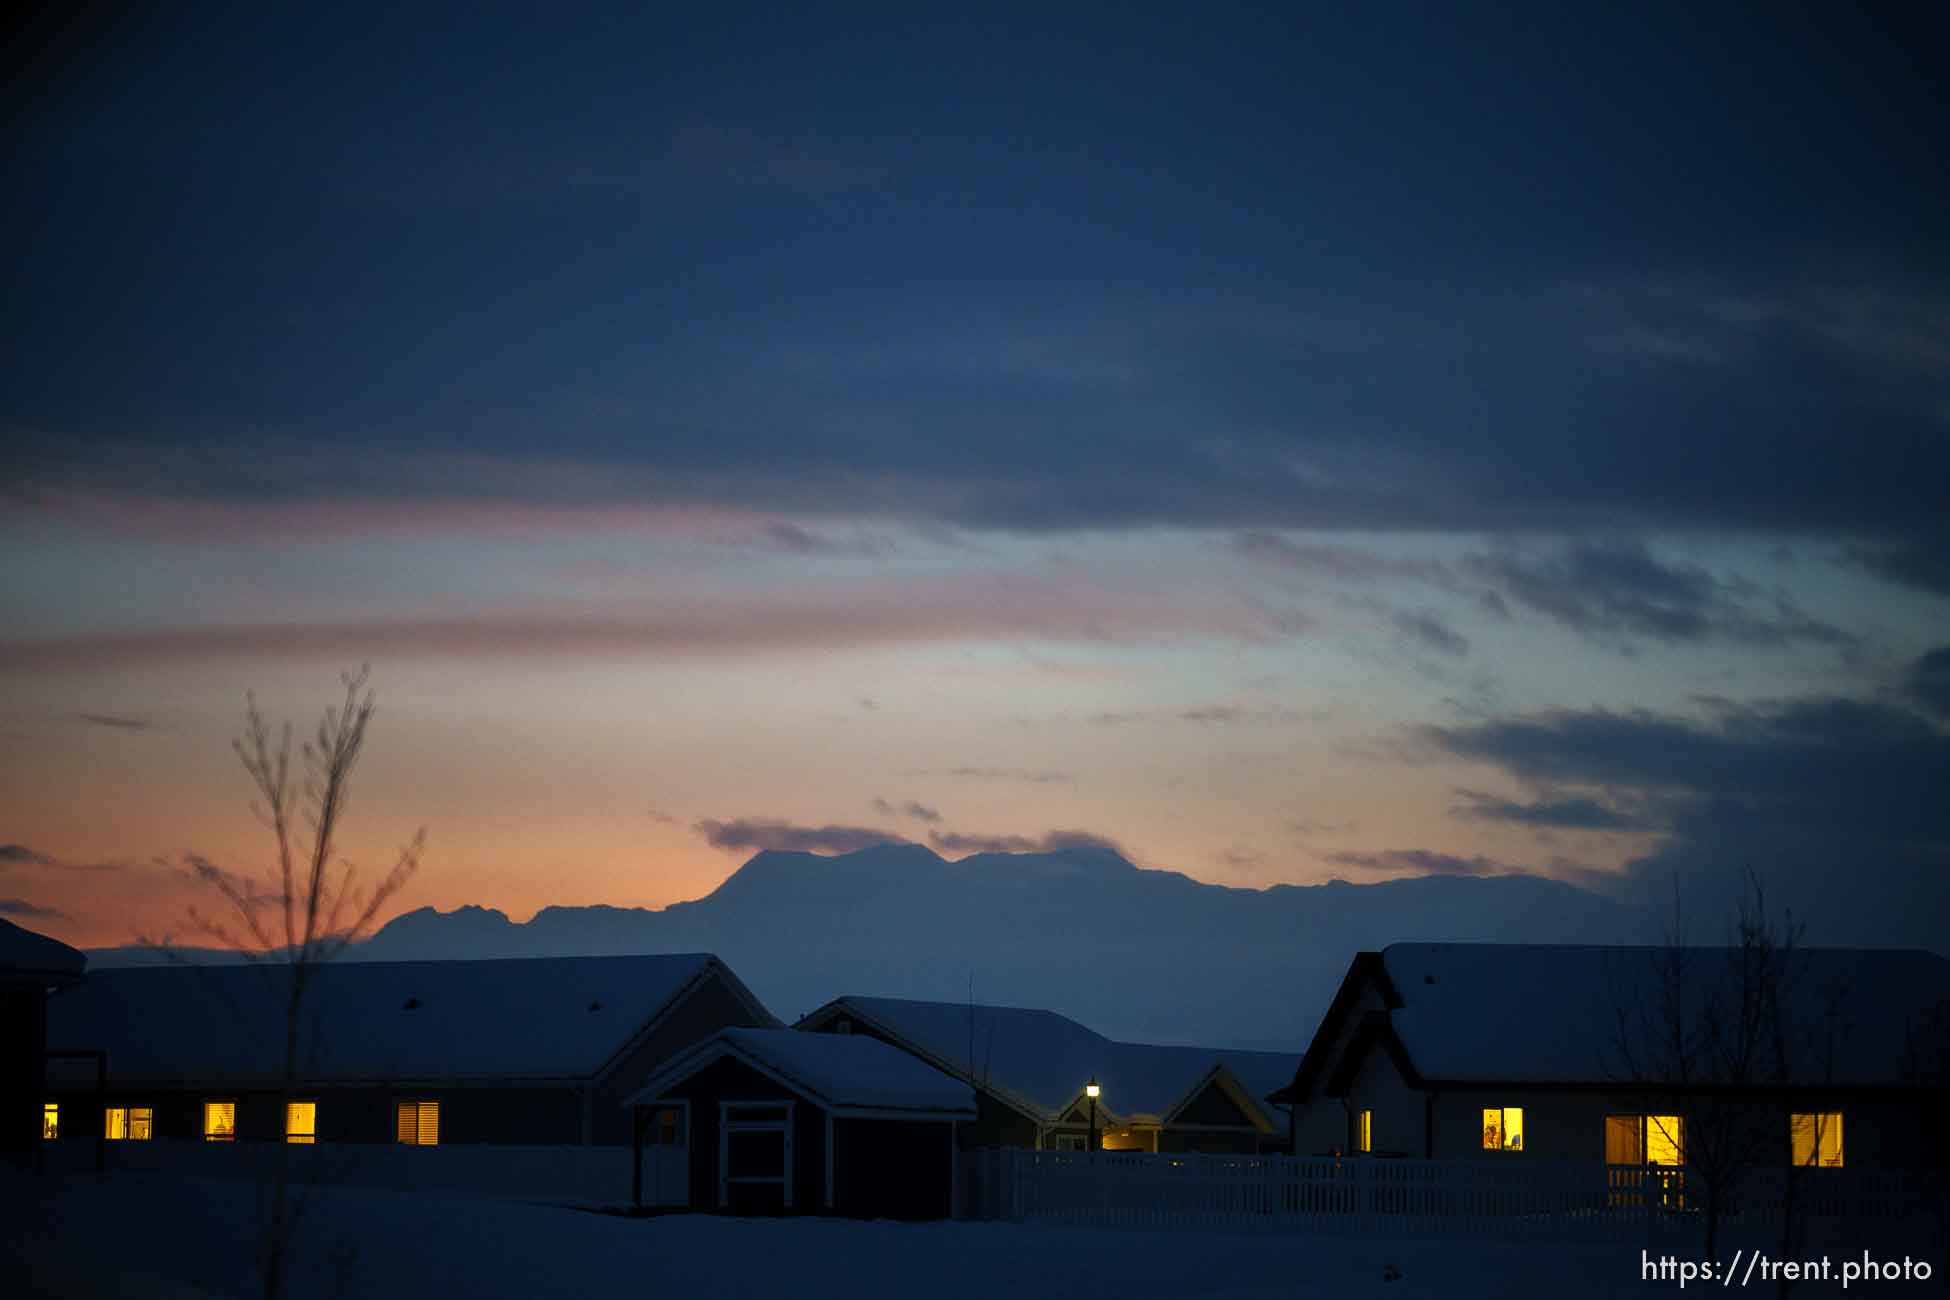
419,1123
1364,1131
1817,1138
301,1121
1503,1128
129,1123
50,1121
219,1121
1665,1140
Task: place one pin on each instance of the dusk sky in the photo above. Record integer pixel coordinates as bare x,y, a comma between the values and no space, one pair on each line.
1288,442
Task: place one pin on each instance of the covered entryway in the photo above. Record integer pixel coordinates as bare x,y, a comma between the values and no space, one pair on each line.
782,1122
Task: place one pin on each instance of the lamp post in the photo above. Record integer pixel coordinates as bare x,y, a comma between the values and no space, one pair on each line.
1091,1090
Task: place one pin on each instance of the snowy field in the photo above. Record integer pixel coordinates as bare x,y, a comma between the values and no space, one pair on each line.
175,1238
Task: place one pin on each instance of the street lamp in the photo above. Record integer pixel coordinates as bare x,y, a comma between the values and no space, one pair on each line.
1091,1090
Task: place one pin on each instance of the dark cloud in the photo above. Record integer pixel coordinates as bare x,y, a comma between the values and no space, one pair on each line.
910,808
1050,842
1921,562
1027,776
1423,862
765,833
1576,812
1305,826
1928,682
20,907
1239,859
1838,801
1618,592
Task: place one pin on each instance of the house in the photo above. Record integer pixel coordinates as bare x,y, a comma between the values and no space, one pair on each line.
1509,1052
779,1122
1032,1072
515,1052
31,965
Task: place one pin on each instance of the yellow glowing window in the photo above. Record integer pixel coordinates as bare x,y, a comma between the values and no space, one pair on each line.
129,1123
1364,1131
1503,1128
1665,1140
1817,1138
219,1121
50,1120
419,1123
301,1121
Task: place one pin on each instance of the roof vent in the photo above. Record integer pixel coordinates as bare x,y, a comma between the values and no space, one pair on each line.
596,1006
412,1004
1428,979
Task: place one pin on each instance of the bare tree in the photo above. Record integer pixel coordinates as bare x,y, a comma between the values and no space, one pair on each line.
1706,1032
318,909
1926,1075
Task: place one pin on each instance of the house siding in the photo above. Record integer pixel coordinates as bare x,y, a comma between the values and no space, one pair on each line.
548,1115
727,1079
707,1008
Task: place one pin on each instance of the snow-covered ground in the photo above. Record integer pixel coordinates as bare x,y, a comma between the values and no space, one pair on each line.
175,1238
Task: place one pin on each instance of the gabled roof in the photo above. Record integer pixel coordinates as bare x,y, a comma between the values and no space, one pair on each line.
1543,1014
1367,970
842,1072
1038,1061
28,955
538,1018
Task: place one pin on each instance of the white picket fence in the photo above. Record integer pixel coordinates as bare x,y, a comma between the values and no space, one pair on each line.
1506,1199
582,1175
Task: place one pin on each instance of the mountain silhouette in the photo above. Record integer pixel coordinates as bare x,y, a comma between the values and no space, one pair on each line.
1141,955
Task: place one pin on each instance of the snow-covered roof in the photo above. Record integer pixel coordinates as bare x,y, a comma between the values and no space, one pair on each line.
1534,1013
27,954
842,1071
1040,1061
562,1017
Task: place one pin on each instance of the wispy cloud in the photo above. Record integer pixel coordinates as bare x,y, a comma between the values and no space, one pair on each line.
1616,592
976,608
1333,561
1564,812
764,833
1049,842
1422,862
19,855
118,723
908,808
20,907
1027,776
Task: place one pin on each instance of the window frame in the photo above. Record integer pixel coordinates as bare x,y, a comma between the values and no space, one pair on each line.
420,1109
219,1135
1819,1131
1502,1130
292,1136
132,1116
